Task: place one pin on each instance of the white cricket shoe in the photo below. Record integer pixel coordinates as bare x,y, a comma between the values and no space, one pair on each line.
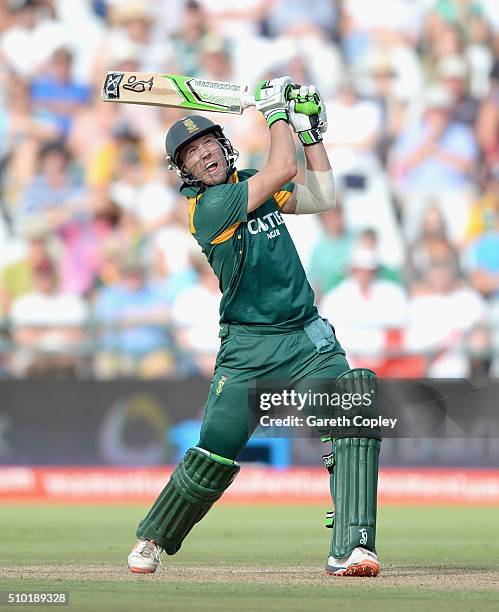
145,557
360,562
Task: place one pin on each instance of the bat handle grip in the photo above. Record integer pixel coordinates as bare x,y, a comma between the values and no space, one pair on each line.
307,107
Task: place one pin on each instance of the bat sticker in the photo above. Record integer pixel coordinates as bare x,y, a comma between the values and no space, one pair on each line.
138,86
112,85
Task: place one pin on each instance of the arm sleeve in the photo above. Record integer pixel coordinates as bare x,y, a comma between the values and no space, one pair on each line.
220,209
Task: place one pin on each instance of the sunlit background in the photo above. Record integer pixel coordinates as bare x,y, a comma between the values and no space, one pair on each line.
100,279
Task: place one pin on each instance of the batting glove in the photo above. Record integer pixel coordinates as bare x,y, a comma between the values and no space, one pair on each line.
307,115
270,99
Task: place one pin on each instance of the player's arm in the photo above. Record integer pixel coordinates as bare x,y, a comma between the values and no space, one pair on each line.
281,164
318,193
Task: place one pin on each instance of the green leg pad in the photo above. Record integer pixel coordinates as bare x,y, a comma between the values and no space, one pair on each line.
354,485
199,480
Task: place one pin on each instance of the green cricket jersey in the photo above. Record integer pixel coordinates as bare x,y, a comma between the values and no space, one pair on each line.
259,271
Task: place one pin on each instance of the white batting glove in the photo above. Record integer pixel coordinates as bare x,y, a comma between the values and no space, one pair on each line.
307,115
270,99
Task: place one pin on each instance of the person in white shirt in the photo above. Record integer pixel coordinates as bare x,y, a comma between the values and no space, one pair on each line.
47,326
195,316
440,317
365,309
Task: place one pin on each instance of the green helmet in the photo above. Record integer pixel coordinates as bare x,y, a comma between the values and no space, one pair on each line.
188,129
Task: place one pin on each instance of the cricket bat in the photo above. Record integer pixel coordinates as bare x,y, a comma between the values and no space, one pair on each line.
186,92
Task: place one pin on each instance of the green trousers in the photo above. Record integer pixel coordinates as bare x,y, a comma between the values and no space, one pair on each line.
248,353
251,352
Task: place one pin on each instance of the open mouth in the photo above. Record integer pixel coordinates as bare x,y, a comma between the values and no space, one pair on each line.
212,167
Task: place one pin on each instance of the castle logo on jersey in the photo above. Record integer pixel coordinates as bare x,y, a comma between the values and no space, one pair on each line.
268,223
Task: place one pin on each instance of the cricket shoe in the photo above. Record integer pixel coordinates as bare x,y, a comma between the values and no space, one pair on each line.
145,557
360,562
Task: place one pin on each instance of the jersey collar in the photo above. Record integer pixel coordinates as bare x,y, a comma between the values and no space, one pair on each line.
191,192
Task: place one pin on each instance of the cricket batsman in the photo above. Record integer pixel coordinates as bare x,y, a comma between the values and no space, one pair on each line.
270,327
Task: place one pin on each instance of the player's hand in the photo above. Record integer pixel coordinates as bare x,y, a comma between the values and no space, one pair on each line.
309,127
270,99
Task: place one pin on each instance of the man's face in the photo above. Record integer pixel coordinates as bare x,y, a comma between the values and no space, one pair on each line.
204,158
364,276
54,163
45,281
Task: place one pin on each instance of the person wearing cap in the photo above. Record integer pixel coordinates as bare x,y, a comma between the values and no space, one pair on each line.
452,72
366,307
270,326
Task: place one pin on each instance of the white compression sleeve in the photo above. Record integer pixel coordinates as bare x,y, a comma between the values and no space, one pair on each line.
318,193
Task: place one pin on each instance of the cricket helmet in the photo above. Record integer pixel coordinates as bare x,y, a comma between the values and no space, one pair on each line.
186,130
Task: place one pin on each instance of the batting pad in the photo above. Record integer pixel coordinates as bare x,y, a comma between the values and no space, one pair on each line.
354,485
197,483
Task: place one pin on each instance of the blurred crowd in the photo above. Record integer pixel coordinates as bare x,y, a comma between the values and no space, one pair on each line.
99,276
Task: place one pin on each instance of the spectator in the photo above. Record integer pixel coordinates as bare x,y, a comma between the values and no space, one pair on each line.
32,37
84,244
365,309
459,28
131,37
435,157
432,246
480,352
92,129
488,120
362,23
54,93
195,316
481,259
22,135
134,340
331,253
353,136
441,314
463,14
55,194
124,146
216,63
17,278
484,210
187,42
368,239
47,327
452,72
293,17
391,107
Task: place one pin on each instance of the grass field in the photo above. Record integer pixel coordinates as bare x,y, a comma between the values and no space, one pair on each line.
253,558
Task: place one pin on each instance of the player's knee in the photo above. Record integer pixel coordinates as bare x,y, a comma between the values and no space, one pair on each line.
203,476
